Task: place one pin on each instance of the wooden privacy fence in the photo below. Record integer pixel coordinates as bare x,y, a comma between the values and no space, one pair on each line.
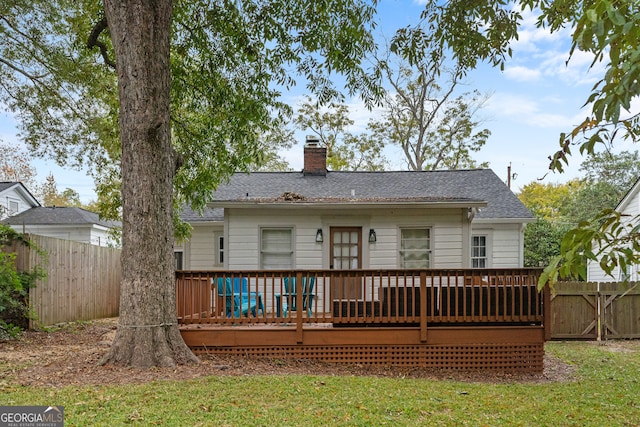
590,311
82,283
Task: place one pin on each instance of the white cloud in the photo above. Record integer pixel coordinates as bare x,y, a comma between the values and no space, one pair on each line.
522,74
535,112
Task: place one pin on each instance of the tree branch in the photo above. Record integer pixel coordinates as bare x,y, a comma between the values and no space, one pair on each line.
93,41
21,71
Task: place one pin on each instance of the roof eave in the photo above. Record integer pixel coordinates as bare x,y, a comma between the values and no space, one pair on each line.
512,220
249,204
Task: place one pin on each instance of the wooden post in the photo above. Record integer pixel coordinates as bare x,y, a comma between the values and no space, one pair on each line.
546,312
299,310
423,306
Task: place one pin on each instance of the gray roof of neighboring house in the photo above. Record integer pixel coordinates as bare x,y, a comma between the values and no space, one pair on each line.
4,186
59,216
426,186
208,214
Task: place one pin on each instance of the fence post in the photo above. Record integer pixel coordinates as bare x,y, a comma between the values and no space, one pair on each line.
546,312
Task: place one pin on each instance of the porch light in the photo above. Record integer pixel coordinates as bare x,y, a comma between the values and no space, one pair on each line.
372,236
319,237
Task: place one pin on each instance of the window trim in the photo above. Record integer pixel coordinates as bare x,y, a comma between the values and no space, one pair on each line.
13,211
429,251
219,248
486,258
291,252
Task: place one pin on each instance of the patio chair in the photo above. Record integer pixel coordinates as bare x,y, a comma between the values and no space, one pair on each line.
238,301
287,301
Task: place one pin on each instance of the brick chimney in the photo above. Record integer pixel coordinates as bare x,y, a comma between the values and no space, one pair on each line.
315,157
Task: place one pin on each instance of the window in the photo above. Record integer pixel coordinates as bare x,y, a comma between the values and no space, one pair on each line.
415,248
178,255
479,251
219,243
13,207
276,248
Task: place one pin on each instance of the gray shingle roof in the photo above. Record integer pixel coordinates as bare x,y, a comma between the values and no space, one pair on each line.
6,185
209,214
456,185
59,216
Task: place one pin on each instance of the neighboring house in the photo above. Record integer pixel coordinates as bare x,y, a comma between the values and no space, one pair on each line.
319,219
15,198
629,206
68,223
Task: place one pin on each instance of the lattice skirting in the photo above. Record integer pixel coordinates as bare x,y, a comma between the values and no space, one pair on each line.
498,357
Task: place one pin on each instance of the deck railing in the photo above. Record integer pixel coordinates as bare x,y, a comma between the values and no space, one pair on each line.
360,297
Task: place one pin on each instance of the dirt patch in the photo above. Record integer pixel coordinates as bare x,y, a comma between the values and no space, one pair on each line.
619,346
70,354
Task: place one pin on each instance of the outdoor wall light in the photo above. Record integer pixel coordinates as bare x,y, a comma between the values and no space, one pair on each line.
372,236
319,237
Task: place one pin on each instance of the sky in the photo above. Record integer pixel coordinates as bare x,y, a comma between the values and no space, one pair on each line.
535,98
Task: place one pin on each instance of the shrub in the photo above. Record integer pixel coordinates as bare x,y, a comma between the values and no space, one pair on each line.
15,285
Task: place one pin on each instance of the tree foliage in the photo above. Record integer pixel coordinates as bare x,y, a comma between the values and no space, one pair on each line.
548,200
611,240
590,206
542,241
229,63
15,165
579,202
345,150
423,116
52,197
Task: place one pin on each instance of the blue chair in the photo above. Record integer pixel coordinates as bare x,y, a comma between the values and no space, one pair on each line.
288,300
238,301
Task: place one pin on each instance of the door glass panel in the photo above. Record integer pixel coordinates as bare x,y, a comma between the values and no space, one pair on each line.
347,253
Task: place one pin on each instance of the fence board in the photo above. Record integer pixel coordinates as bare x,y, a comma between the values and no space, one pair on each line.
82,283
620,303
595,311
574,311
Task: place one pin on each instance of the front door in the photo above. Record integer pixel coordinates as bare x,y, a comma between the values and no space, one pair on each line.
346,254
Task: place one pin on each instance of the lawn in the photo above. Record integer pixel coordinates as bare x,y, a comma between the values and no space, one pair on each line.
604,391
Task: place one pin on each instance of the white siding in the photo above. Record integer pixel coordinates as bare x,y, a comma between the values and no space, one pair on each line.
200,250
78,233
449,241
507,244
8,198
243,235
594,272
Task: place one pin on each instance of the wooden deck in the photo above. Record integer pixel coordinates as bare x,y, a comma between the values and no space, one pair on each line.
455,319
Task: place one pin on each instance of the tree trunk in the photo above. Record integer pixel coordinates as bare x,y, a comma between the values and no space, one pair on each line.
147,333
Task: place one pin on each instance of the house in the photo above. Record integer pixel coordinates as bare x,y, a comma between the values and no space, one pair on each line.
320,219
629,206
205,249
15,198
68,223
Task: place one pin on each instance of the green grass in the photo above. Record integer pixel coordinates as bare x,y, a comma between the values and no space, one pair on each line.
604,392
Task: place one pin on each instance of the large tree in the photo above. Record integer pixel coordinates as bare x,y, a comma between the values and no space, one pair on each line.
259,41
147,333
423,116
